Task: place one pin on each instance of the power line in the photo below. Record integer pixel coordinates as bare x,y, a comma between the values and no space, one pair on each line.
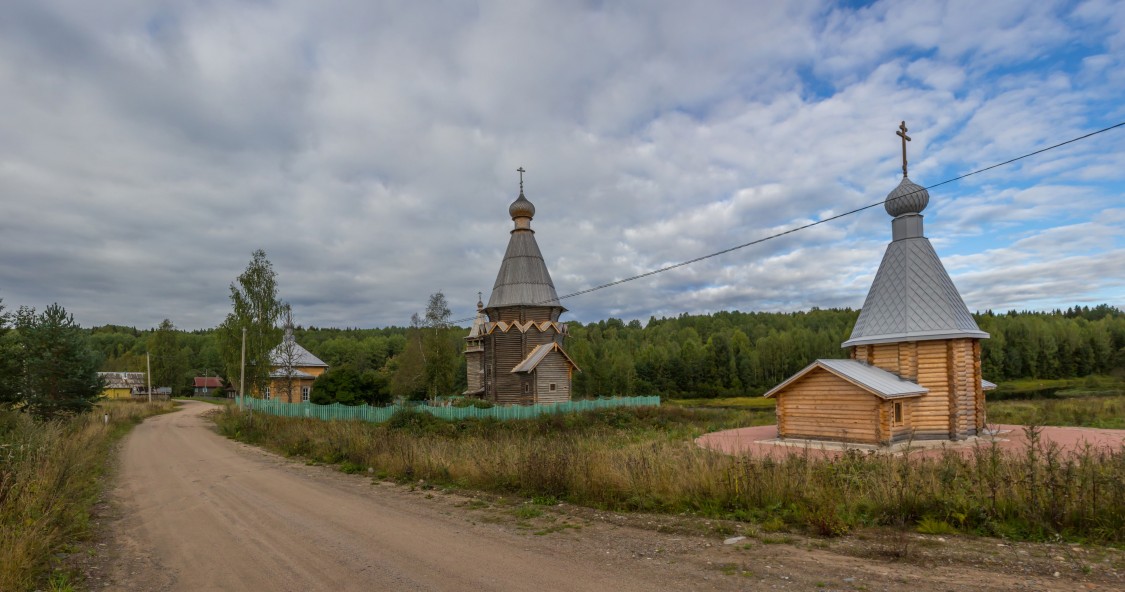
816,223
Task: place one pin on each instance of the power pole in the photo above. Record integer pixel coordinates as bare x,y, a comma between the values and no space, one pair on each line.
242,375
148,374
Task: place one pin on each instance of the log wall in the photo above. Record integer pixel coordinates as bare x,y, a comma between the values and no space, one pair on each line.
822,406
553,370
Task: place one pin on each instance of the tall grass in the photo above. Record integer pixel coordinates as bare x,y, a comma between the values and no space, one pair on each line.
645,460
49,479
1093,412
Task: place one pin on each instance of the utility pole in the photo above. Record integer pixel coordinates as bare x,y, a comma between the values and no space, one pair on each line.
148,375
242,375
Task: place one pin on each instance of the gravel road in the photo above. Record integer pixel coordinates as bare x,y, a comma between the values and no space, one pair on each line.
192,510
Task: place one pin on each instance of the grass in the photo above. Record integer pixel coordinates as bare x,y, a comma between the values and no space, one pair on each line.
1059,387
644,460
1092,412
725,402
50,477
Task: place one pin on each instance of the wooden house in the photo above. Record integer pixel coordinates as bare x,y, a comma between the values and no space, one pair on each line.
207,386
293,369
514,350
123,385
914,369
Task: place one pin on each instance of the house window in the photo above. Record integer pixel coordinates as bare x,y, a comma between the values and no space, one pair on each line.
551,387
305,394
898,413
266,393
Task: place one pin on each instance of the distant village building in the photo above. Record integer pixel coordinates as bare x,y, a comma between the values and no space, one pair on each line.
204,386
514,351
293,369
123,385
915,367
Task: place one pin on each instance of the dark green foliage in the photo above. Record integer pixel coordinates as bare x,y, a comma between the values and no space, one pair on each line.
58,370
170,362
257,309
348,386
9,361
721,354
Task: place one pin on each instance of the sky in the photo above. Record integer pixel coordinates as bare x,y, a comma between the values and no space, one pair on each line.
371,147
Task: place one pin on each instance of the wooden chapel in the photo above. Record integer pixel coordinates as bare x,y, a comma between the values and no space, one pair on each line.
514,350
914,370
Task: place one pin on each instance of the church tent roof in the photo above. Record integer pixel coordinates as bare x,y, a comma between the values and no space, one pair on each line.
523,279
912,299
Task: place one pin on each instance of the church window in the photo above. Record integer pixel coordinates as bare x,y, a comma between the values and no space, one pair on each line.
898,413
552,387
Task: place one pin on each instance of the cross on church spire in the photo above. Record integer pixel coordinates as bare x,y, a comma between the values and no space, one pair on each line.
521,171
900,133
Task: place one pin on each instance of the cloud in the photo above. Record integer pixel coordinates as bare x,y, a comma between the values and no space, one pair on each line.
146,151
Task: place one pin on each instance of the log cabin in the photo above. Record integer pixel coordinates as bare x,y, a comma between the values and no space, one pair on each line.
514,350
914,367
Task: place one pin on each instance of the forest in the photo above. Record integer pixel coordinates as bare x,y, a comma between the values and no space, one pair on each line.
721,354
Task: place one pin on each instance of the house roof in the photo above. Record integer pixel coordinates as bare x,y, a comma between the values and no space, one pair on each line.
207,382
292,373
986,385
538,354
523,279
874,380
301,357
127,380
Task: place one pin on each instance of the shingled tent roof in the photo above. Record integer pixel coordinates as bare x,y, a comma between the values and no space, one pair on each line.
912,297
523,279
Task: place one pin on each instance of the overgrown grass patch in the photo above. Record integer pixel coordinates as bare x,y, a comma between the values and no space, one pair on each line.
1092,412
644,459
50,477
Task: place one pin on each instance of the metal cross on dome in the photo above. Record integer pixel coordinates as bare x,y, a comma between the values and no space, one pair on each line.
521,171
905,138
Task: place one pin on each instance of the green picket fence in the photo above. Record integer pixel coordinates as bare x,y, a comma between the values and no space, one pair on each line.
336,411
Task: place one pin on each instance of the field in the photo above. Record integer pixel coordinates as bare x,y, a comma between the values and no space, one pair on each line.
645,460
50,476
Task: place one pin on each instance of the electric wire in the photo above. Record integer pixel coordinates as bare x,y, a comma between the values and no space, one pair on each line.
807,226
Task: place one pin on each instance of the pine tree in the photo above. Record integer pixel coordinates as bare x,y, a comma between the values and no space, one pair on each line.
60,369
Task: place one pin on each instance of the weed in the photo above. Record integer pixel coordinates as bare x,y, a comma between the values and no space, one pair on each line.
527,512
351,468
50,478
929,525
643,459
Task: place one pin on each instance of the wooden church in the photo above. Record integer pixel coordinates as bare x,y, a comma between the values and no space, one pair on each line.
914,370
514,351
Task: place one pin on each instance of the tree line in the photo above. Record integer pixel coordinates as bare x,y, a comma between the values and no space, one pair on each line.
721,354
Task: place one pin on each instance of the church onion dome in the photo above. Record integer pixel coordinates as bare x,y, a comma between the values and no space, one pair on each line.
521,208
907,198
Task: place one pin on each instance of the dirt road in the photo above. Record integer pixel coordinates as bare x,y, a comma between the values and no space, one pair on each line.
195,511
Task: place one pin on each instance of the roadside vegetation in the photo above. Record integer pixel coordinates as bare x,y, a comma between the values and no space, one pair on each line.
644,459
51,474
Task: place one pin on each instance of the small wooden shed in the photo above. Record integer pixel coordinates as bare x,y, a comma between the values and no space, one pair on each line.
846,401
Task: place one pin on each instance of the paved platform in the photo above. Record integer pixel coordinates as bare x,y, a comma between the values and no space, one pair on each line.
763,441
